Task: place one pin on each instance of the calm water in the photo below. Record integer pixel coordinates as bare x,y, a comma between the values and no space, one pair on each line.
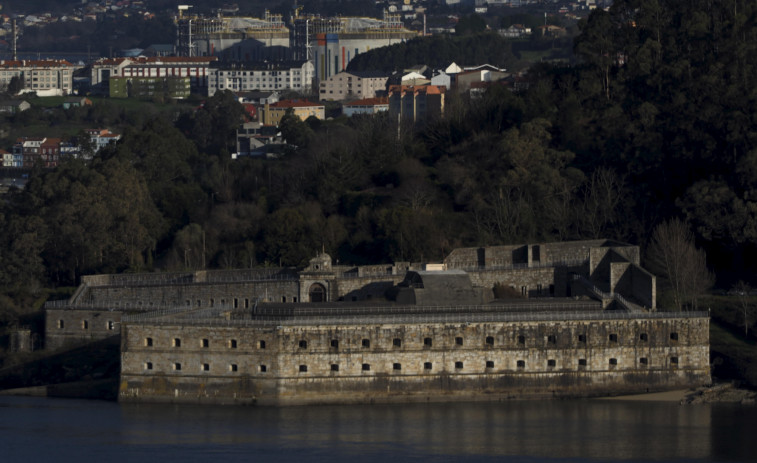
41,430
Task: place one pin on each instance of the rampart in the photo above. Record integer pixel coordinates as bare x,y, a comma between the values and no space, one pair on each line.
467,355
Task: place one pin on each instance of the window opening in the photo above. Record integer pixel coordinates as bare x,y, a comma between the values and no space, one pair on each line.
177,366
613,337
366,367
427,366
233,344
396,366
521,339
205,367
490,340
674,336
397,342
643,361
233,367
303,344
582,338
366,343
334,367
148,366
521,364
303,368
551,363
427,342
489,364
644,337
552,339
335,343
458,365
205,343
459,341
176,342
581,362
613,362
148,342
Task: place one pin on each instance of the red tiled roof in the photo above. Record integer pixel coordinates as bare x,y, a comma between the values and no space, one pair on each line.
294,104
369,102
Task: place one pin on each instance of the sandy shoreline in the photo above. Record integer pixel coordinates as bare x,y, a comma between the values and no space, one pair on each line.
667,396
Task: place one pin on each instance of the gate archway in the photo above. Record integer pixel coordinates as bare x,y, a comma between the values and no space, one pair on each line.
317,293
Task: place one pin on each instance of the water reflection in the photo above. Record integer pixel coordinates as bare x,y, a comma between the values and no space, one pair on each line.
571,430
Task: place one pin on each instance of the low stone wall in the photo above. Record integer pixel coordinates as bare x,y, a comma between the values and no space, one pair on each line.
410,362
70,327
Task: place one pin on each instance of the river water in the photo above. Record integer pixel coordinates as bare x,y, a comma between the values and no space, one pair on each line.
42,430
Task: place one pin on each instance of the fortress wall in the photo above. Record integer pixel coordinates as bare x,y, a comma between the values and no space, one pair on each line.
383,363
194,295
367,288
537,281
68,327
633,281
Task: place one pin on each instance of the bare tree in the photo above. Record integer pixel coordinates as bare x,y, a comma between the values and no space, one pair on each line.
742,290
673,254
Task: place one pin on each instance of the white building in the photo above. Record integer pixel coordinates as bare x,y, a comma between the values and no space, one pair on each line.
245,77
46,77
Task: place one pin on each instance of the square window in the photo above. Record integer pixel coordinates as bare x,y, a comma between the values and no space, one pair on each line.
644,361
551,363
552,339
490,340
148,365
613,337
458,341
643,337
458,365
335,343
581,362
303,344
148,342
521,364
674,336
205,343
427,342
261,344
613,362
366,343
177,366
674,360
232,344
366,367
489,364
111,325
427,366
334,367
397,342
396,366
205,367
233,367
521,339
264,368
582,338
303,368
176,342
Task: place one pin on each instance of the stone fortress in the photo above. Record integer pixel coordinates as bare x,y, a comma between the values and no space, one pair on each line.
580,319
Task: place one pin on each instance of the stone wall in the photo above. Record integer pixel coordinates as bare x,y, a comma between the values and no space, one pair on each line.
634,283
411,362
69,327
529,282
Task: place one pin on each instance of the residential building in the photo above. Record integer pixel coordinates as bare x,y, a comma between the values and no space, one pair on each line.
13,106
102,137
7,158
346,84
76,102
416,103
195,68
271,114
366,106
149,87
45,77
245,77
256,139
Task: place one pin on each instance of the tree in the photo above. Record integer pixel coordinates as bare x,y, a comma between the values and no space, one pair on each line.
673,253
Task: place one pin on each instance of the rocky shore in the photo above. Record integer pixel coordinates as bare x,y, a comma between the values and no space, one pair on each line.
725,392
